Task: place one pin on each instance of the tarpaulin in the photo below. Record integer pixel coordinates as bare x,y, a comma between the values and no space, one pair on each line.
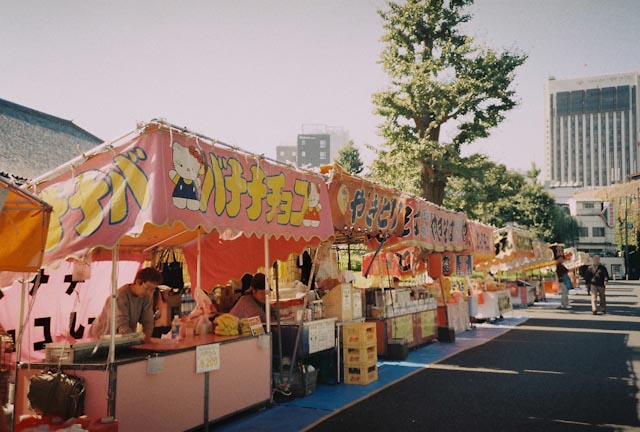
24,220
160,187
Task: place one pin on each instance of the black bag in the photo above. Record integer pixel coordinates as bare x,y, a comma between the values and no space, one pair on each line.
57,394
171,272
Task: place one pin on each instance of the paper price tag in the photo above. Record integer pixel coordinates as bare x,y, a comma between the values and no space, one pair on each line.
207,358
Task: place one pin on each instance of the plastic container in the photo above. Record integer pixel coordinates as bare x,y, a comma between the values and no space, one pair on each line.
175,327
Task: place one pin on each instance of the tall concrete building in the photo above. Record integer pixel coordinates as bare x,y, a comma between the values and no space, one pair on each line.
591,131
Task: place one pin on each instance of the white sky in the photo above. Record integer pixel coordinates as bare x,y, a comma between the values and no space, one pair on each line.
251,72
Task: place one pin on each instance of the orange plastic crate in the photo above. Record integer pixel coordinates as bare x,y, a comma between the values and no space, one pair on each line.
364,354
359,334
361,373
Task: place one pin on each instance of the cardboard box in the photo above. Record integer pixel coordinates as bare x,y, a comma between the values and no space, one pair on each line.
356,302
338,303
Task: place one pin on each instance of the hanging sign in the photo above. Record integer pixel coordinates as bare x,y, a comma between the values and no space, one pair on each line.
160,179
358,205
464,265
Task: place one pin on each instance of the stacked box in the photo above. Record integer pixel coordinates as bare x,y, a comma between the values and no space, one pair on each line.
361,373
356,355
360,353
359,334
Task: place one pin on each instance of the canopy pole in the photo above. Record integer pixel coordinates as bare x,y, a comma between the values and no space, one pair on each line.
111,395
114,306
23,296
198,265
267,268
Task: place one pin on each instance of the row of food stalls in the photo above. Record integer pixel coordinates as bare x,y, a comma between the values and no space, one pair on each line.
229,212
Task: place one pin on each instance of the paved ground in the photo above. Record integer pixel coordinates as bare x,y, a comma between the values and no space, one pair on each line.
559,371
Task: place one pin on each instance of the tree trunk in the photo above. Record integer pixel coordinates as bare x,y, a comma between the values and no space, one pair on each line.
432,178
432,183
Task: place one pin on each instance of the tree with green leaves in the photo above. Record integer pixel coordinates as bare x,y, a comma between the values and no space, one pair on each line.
492,194
437,76
349,158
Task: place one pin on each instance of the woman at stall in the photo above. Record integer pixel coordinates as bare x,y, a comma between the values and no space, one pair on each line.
254,304
134,304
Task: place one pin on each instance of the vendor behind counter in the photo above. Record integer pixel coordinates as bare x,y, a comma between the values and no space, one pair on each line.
134,304
253,303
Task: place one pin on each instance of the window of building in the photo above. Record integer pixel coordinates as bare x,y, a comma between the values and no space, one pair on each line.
622,98
281,152
323,143
303,142
576,102
583,232
303,153
592,101
597,231
323,155
563,103
608,99
588,205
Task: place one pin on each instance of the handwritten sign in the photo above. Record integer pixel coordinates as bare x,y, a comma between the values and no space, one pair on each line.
256,326
207,358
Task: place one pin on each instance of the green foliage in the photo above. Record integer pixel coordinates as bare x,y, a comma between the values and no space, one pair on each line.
437,76
349,158
627,210
490,193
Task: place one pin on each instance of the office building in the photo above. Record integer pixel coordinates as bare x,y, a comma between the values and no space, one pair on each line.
591,131
287,154
318,144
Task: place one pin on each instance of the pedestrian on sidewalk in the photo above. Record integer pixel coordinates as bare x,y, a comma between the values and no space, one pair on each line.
564,281
598,276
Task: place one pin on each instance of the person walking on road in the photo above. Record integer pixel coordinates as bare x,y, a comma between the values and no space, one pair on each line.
564,281
597,276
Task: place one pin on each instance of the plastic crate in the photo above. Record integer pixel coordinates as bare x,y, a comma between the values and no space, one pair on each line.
359,334
361,373
364,354
303,384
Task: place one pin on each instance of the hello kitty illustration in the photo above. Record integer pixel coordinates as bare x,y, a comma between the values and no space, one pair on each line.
312,215
188,165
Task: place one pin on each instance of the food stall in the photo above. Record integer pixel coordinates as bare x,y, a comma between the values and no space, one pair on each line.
160,187
24,221
404,233
459,282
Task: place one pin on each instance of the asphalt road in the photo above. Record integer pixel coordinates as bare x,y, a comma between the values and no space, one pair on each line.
559,371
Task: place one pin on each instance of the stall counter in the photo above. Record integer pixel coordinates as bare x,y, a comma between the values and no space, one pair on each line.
176,397
417,328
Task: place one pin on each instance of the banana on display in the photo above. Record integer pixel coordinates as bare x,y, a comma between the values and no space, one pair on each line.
245,328
226,325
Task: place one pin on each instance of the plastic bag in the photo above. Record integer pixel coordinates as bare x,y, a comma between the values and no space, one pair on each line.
57,394
204,305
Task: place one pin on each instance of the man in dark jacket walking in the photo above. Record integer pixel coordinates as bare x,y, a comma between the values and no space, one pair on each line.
597,276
